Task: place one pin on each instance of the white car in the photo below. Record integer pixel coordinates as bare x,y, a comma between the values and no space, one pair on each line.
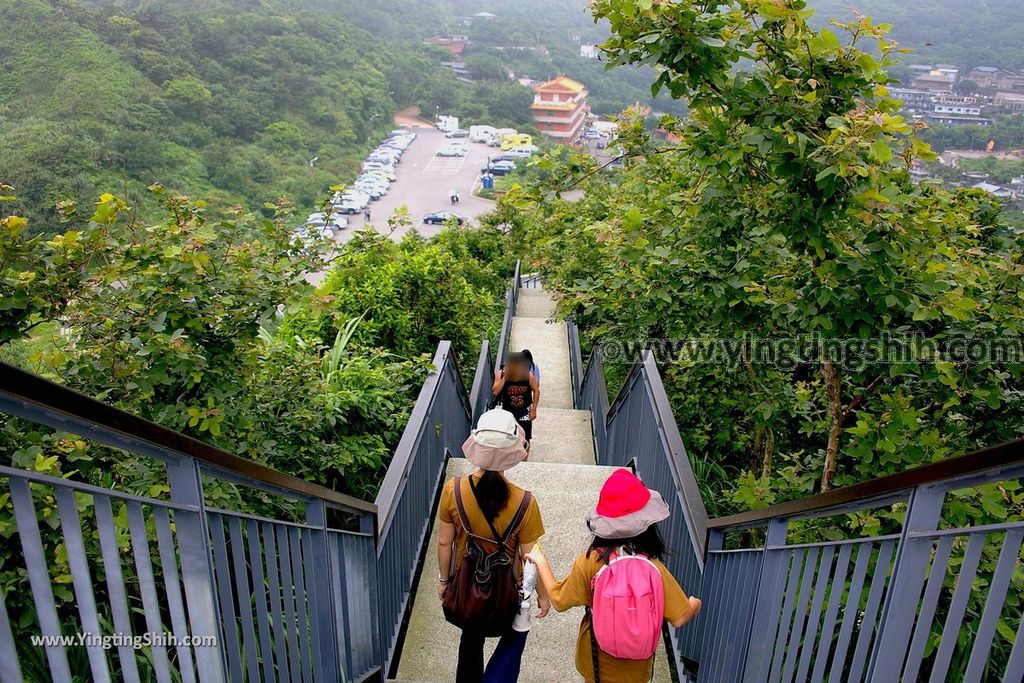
371,182
334,220
379,172
392,159
524,152
452,151
374,191
312,230
368,179
351,202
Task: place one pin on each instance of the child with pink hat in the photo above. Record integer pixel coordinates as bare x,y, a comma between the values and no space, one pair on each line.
622,582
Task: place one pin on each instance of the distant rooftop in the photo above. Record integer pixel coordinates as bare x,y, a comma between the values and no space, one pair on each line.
562,83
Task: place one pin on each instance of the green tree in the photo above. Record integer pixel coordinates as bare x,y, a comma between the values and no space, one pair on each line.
786,212
486,67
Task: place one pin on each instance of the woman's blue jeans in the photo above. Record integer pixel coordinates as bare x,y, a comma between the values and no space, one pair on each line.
503,667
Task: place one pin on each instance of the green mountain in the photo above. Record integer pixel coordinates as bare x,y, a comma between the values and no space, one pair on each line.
968,34
230,101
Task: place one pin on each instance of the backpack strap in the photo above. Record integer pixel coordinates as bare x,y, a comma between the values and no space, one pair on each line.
593,645
517,520
460,506
502,538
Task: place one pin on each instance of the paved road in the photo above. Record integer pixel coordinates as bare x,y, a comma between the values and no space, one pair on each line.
424,183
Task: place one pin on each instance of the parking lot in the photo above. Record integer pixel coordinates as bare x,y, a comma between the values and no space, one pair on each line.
425,182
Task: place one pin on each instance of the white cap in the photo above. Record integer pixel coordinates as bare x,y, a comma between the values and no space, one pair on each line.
496,429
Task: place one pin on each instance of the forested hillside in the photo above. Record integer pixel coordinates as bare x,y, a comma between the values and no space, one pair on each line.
967,34
224,100
538,40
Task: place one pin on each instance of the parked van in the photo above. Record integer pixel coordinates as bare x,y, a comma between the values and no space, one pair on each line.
522,152
482,133
447,123
516,140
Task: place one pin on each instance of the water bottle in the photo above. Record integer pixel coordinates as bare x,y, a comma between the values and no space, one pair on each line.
523,618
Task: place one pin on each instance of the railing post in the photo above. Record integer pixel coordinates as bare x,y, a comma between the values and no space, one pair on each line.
908,578
766,608
575,361
322,608
186,488
368,525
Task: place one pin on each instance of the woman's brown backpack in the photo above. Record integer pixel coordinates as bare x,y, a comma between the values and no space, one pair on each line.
484,593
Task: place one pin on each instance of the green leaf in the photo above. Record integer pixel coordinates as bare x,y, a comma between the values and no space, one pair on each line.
881,151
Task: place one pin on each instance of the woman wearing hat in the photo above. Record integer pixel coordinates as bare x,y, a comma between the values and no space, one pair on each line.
624,522
490,503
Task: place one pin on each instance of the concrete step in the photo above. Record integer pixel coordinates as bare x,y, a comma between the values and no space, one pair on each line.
534,303
561,435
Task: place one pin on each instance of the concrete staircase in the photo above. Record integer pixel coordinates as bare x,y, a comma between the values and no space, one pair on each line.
562,475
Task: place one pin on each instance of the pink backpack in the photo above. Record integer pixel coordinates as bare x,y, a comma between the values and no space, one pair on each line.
628,607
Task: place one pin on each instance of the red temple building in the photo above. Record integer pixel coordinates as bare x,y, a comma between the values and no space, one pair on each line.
560,109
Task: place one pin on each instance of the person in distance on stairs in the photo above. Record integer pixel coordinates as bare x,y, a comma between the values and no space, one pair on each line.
518,391
486,525
534,368
620,579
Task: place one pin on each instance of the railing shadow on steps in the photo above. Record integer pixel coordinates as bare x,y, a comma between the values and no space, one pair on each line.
878,608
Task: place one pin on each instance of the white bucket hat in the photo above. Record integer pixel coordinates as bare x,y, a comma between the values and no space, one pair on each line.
497,443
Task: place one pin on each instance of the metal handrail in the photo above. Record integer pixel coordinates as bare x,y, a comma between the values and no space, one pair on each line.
575,359
438,425
876,491
388,495
40,400
483,379
511,302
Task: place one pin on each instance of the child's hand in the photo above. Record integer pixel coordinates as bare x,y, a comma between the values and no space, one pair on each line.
536,555
695,605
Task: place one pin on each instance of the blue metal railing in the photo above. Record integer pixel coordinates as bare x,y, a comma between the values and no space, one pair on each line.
593,396
511,300
439,424
483,380
285,600
483,377
531,281
924,604
575,360
260,589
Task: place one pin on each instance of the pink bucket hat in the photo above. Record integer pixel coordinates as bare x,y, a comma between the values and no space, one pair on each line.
497,443
626,507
